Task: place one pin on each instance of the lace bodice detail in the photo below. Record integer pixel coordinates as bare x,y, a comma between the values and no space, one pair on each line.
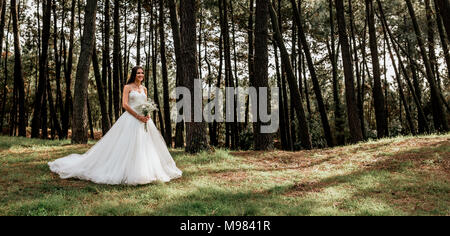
136,98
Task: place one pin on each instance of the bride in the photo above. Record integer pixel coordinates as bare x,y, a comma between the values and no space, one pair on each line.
129,153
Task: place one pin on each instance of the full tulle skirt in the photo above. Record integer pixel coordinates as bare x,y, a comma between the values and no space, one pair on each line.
127,154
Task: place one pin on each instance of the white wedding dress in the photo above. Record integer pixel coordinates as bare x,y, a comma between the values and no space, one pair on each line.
127,154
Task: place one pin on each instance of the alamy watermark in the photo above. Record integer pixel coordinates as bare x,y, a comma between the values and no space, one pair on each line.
233,96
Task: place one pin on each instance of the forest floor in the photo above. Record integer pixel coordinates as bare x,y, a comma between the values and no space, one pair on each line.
399,176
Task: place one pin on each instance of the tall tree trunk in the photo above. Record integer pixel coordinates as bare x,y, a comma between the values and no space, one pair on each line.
68,106
18,71
380,112
305,137
195,131
139,23
2,34
431,48
284,99
444,11
80,133
444,43
282,130
116,61
89,114
439,114
339,120
251,58
106,124
165,79
43,73
106,60
416,93
58,63
399,84
317,90
352,109
228,72
179,140
155,84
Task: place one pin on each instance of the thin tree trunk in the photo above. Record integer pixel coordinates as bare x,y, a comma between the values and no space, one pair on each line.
439,114
251,58
165,79
305,136
116,61
444,11
317,90
2,34
380,111
139,23
179,140
43,74
339,120
445,47
68,107
18,71
106,124
400,86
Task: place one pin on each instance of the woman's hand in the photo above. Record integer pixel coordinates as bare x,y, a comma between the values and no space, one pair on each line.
143,119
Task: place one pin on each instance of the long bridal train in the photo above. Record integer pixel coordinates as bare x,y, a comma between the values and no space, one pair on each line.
127,154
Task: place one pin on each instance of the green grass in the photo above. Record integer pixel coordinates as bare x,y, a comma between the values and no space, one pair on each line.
399,176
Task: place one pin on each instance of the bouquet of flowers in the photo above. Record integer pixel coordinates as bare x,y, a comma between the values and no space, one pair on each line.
146,108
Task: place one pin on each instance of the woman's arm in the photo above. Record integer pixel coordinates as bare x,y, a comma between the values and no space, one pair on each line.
125,105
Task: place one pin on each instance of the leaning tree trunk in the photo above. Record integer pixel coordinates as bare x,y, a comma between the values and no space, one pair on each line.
18,71
444,11
352,109
312,70
195,131
445,47
378,97
439,114
80,129
305,137
43,73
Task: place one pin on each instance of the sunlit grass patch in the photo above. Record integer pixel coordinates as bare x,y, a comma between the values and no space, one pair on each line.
398,176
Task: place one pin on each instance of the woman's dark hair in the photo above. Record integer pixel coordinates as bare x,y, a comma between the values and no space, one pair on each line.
134,74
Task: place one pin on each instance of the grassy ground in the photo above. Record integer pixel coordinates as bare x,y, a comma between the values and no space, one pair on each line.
401,176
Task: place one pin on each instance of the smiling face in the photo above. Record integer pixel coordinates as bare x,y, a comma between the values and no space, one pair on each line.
140,75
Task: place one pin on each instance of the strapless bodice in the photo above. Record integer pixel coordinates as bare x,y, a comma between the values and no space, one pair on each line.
136,98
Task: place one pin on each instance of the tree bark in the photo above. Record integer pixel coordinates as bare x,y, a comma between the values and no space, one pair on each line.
80,133
378,97
18,71
106,124
195,131
305,137
165,79
339,121
439,114
444,11
317,90
445,47
352,109
43,73
116,61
